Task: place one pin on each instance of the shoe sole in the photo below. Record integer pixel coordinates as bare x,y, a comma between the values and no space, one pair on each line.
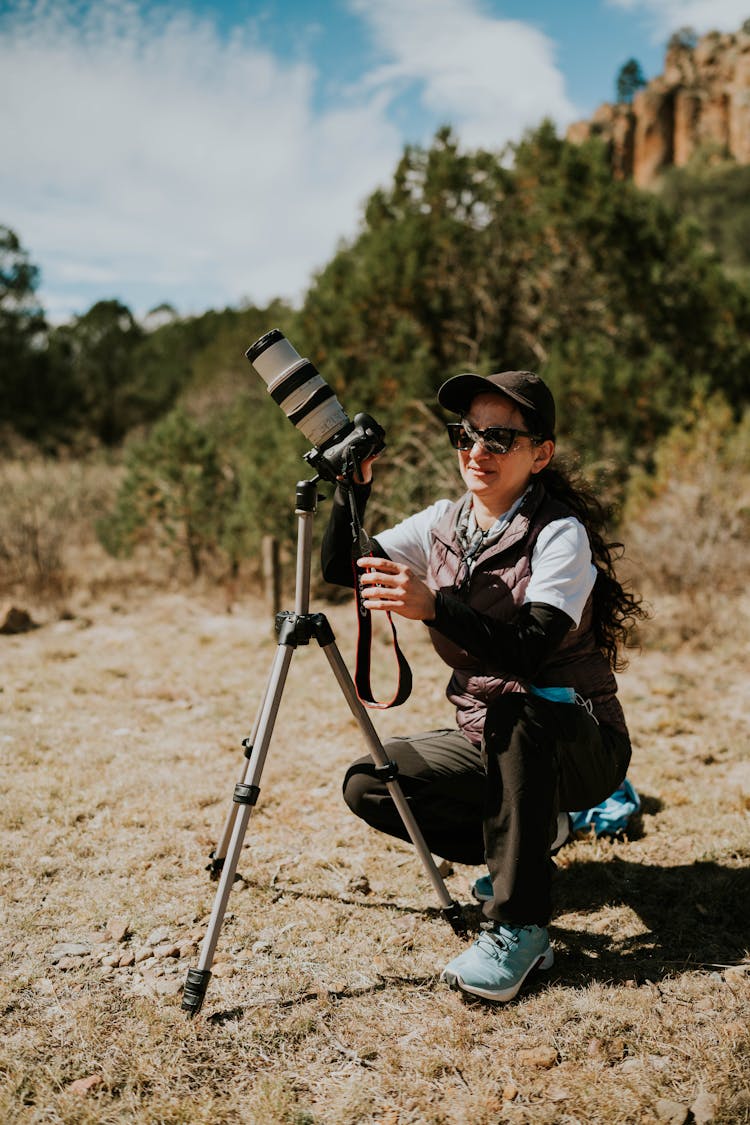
453,980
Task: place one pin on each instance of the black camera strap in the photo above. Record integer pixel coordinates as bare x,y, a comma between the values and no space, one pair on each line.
362,547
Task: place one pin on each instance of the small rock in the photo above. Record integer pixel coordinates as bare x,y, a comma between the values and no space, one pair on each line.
359,884
544,1057
262,946
223,969
143,954
118,928
82,1086
615,1050
140,987
630,1066
15,620
704,1108
127,960
158,936
111,959
510,1092
66,963
673,1113
162,951
68,949
170,986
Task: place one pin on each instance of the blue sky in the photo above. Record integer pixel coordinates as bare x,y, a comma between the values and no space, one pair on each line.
208,154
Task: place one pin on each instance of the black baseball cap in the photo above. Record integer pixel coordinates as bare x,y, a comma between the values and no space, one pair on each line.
524,387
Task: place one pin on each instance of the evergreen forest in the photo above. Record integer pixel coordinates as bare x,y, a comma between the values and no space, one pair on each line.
633,305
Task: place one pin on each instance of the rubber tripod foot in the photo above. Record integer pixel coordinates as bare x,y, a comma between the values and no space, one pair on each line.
194,990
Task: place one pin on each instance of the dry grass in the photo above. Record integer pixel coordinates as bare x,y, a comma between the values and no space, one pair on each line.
120,747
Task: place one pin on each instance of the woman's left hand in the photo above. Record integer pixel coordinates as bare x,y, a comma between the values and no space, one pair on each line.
392,586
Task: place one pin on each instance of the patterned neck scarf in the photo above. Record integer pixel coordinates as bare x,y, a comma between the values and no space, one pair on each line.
472,538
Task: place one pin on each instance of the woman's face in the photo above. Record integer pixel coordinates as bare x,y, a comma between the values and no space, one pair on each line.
496,480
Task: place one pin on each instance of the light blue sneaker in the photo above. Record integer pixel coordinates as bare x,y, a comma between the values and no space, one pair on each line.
499,961
481,888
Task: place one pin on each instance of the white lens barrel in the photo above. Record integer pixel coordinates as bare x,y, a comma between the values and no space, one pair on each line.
298,393
301,392
279,357
322,422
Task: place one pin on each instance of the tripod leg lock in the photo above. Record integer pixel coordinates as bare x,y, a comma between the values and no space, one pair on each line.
245,794
454,916
216,865
194,990
388,772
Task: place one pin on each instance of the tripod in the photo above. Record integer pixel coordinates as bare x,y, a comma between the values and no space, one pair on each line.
294,629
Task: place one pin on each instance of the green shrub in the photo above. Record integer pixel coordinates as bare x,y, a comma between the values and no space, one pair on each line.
177,492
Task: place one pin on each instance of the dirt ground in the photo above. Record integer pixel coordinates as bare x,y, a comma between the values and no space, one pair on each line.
120,733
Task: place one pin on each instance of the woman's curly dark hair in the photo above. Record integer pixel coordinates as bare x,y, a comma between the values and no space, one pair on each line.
616,611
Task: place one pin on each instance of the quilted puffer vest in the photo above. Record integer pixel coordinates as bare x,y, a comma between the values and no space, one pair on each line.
497,587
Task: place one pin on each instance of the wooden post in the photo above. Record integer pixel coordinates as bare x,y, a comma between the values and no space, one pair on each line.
271,574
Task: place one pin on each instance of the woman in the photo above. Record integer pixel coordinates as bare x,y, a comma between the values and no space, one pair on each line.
517,588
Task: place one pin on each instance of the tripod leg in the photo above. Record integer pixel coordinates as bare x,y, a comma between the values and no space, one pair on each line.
245,796
220,851
450,907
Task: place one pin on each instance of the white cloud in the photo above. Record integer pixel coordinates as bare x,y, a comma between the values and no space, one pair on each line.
491,77
187,168
147,158
666,16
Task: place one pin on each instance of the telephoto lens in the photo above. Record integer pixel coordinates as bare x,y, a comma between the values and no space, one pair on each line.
340,445
296,386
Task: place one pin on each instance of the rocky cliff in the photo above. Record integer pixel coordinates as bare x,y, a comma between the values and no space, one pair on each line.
701,101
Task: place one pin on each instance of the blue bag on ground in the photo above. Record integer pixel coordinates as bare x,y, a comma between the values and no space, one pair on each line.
611,816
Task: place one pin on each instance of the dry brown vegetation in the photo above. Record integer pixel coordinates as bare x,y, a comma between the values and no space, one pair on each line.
122,716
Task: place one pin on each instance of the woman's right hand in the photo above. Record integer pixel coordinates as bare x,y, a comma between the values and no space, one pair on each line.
365,473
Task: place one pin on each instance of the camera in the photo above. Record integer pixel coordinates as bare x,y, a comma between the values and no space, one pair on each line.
340,445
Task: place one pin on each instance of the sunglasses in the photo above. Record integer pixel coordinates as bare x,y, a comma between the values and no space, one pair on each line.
495,439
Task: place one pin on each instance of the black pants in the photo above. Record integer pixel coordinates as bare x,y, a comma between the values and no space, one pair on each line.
499,803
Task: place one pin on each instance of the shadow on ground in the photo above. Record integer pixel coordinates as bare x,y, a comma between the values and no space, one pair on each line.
696,916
